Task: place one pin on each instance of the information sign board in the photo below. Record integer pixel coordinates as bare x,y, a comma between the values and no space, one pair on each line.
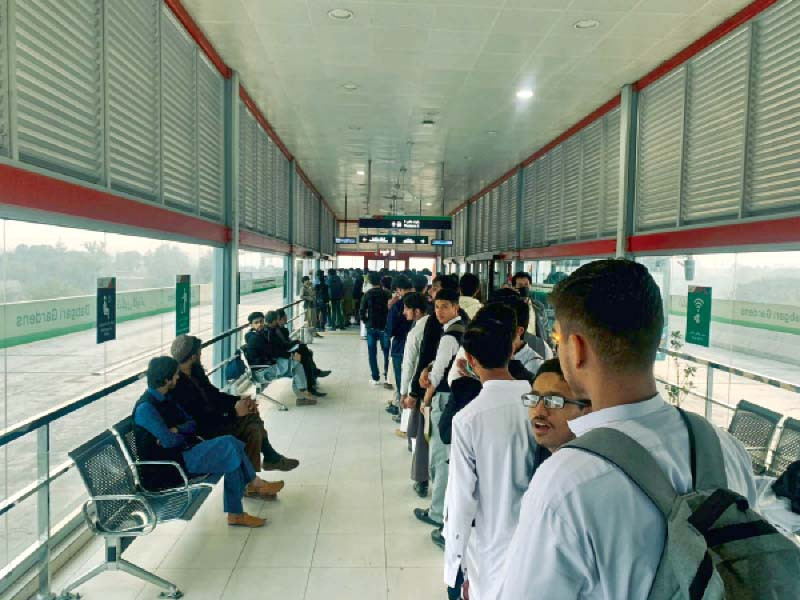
698,315
106,309
183,304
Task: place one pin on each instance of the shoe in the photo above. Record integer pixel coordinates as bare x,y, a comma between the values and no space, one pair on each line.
396,418
438,538
316,335
363,337
388,385
267,490
400,433
321,374
245,520
283,464
421,487
422,515
375,382
392,409
305,401
317,393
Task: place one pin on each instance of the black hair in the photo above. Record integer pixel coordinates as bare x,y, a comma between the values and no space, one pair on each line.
616,305
331,271
447,295
374,278
271,317
254,315
160,370
520,275
420,283
518,305
305,278
449,282
386,282
490,335
502,294
401,282
281,313
552,365
469,284
415,300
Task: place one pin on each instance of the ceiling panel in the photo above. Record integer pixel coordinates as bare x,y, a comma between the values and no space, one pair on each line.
458,62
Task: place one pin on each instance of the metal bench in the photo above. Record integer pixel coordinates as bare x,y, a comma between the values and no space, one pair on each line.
755,426
787,449
249,375
120,510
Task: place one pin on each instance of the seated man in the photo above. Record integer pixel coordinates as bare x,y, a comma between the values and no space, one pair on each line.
267,365
217,413
306,354
164,432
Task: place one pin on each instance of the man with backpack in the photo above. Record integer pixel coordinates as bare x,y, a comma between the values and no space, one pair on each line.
647,502
374,310
336,295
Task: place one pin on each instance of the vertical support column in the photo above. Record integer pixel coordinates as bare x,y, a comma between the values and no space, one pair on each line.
226,259
627,167
709,392
288,262
43,512
520,191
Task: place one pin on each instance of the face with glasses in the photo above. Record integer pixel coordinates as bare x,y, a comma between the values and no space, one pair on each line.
550,405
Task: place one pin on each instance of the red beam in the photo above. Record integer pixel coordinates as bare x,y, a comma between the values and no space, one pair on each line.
743,16
256,241
577,249
29,190
180,12
754,233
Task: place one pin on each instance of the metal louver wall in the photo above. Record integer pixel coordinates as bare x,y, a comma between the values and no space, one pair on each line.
592,192
4,125
58,75
609,208
283,200
210,133
555,190
132,90
248,156
528,195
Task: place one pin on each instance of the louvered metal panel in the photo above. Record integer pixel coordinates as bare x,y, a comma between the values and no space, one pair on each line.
486,212
715,130
528,206
510,214
540,216
493,223
555,193
178,114
283,198
247,168
272,178
661,115
472,231
262,183
611,156
4,119
211,140
59,86
592,192
774,177
132,88
572,188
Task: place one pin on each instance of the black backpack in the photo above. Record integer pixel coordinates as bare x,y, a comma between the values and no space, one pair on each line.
235,367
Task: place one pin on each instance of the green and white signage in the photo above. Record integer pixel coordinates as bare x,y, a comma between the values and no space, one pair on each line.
183,304
106,309
698,315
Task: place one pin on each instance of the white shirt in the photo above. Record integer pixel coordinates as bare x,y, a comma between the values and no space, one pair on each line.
529,358
491,464
411,355
454,374
585,530
448,348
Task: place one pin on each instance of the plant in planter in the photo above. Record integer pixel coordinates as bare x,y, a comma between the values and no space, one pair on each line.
684,374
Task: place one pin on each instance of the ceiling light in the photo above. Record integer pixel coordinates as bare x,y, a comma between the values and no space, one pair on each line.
354,128
340,14
350,87
359,172
492,132
428,123
525,94
429,204
587,24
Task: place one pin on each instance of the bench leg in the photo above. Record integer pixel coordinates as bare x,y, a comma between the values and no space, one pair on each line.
67,594
281,406
172,590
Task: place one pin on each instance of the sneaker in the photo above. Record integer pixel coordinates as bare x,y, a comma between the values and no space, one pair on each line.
421,487
317,393
245,520
305,401
283,464
392,409
396,418
375,382
387,385
423,514
321,373
438,538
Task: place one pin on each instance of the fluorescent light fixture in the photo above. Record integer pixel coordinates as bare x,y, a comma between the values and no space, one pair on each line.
587,24
340,14
359,172
350,87
429,204
525,94
492,132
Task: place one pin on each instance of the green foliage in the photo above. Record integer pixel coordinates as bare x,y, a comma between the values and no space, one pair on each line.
684,373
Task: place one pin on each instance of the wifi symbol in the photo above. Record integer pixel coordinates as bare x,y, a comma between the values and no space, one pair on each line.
699,303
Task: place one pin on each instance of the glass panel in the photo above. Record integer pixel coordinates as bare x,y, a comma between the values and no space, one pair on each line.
261,282
349,262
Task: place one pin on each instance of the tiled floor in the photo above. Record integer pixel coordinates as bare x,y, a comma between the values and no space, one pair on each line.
342,529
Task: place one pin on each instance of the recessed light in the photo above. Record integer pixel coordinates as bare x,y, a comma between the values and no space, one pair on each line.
354,128
587,24
340,14
492,132
350,87
359,172
429,204
525,94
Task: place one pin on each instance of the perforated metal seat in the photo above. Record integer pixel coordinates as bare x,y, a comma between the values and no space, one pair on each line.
788,448
260,387
755,426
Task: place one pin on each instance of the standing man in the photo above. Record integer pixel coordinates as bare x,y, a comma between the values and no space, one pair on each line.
397,328
347,303
309,298
321,291
358,293
470,287
336,295
585,529
374,312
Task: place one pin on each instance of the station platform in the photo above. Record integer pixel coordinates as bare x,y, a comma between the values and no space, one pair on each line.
342,528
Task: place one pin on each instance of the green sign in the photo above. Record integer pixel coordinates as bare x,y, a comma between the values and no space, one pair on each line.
698,315
106,309
183,303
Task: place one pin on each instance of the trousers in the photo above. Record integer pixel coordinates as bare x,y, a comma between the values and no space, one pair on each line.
375,336
337,316
397,365
224,456
420,456
440,458
250,430
284,367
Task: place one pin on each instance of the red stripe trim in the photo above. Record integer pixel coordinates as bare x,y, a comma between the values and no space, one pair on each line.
743,16
754,233
590,248
505,177
256,241
262,120
180,12
29,190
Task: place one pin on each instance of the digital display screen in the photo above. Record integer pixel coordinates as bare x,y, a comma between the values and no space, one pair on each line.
346,240
441,242
393,239
405,222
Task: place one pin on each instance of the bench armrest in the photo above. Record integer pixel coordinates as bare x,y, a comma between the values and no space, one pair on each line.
147,526
167,463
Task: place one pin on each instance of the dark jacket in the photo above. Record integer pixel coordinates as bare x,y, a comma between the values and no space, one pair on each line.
279,344
397,328
321,290
427,350
358,288
335,287
214,411
375,308
258,349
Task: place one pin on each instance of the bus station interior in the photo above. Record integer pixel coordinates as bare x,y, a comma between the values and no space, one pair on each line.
235,141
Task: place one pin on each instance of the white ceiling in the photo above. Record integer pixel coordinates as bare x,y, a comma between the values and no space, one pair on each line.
458,62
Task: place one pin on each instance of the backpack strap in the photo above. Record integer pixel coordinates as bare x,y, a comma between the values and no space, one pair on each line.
630,457
708,465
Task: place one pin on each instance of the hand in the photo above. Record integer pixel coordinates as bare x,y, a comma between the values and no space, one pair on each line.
252,403
465,590
461,367
296,357
424,380
409,402
242,407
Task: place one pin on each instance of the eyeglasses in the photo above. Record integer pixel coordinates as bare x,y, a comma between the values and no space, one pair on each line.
532,401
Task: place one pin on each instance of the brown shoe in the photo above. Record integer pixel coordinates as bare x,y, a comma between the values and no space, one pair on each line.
267,490
283,464
305,399
401,434
245,520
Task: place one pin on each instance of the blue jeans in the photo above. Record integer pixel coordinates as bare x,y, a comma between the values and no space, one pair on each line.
373,337
337,317
284,367
225,456
397,364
